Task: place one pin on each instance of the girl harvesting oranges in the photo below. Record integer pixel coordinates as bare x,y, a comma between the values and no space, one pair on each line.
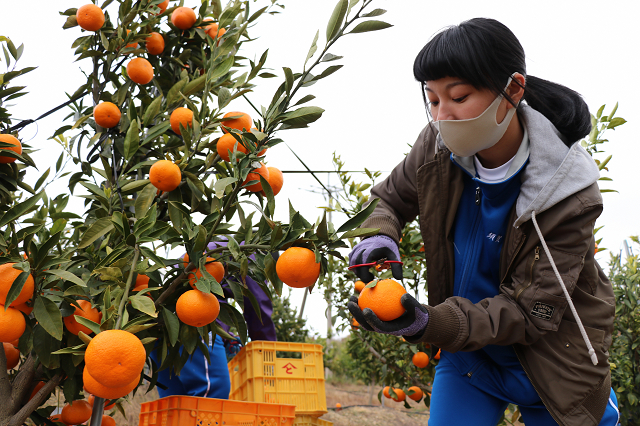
507,202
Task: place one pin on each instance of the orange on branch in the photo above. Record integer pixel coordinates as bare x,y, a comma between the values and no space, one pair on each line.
255,176
400,395
297,267
106,114
17,147
163,6
165,175
76,412
420,359
181,115
359,286
385,391
86,311
12,355
94,387
228,143
12,324
383,299
8,275
90,17
417,393
25,307
197,308
216,269
140,71
155,43
243,122
108,421
142,282
92,398
183,18
132,45
114,358
213,31
275,179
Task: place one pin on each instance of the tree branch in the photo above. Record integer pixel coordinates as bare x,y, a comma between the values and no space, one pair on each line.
22,381
37,400
5,385
375,353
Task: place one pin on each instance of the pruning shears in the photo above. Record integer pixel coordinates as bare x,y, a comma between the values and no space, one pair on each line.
379,265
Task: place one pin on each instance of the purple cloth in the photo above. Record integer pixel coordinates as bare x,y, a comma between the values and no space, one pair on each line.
265,330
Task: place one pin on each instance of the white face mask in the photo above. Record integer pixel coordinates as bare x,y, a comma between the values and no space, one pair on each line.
467,137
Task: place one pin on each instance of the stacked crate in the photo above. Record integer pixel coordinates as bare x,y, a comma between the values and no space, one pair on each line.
282,373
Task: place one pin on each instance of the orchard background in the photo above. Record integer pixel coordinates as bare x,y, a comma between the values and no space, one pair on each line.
373,105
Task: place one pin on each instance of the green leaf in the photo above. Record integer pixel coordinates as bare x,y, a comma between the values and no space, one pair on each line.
152,110
88,323
234,248
194,86
329,57
45,346
222,68
360,232
99,228
132,140
174,93
134,186
337,18
144,305
288,74
16,287
359,218
144,200
48,315
305,99
367,26
327,72
312,49
375,12
321,230
67,276
303,116
221,185
224,96
42,179
20,209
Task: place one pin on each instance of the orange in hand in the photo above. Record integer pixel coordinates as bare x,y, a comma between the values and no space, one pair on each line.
297,267
383,299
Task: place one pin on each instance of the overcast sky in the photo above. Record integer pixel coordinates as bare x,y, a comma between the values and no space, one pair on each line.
373,105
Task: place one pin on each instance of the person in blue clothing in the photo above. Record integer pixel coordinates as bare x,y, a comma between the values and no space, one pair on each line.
506,200
210,379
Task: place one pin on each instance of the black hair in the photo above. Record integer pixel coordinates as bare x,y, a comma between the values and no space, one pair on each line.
485,53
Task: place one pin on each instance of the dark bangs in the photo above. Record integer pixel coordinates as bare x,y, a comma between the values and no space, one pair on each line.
483,52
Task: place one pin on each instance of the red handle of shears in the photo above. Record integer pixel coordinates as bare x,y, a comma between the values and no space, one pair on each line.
380,265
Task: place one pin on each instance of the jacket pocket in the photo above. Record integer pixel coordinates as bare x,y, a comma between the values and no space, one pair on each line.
545,310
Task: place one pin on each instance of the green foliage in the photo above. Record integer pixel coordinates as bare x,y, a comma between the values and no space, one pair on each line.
624,353
127,227
289,327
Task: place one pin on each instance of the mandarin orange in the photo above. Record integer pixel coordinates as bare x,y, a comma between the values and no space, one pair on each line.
383,299
17,147
297,267
114,358
165,175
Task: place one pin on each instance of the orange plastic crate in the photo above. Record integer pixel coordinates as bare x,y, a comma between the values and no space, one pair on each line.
302,420
258,374
195,411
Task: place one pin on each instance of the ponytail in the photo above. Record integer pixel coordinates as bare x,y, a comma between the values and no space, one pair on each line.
562,106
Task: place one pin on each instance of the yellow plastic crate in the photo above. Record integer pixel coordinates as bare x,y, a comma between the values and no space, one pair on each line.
195,411
259,374
302,420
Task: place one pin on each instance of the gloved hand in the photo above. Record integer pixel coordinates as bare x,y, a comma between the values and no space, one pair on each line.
232,347
411,323
373,249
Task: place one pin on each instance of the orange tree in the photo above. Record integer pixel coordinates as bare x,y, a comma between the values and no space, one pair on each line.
159,93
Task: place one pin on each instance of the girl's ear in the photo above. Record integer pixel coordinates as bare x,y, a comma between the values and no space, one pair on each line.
516,89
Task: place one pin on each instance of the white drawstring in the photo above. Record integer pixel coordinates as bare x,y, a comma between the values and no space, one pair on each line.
592,353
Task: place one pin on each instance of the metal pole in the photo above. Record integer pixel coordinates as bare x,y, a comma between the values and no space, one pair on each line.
330,280
304,301
626,248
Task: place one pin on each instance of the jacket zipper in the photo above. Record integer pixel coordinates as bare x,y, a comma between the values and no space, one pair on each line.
529,276
471,250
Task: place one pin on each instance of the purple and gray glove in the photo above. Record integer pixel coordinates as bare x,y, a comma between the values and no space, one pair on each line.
373,249
411,323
